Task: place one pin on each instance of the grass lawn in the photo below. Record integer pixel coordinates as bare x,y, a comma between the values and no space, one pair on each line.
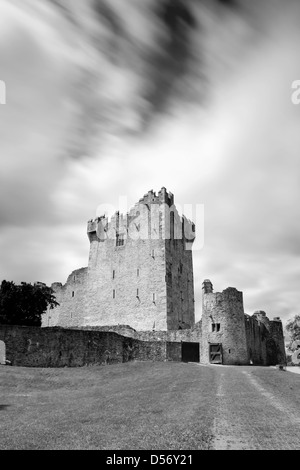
138,405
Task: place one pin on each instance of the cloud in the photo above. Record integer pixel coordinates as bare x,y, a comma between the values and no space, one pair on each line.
35,120
36,254
212,121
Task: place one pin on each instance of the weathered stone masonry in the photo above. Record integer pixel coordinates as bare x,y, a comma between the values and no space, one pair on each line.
139,273
58,347
139,283
265,339
243,339
223,323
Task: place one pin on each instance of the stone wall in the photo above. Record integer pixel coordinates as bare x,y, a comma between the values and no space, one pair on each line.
71,298
123,330
256,334
174,351
58,347
265,339
275,344
179,272
176,336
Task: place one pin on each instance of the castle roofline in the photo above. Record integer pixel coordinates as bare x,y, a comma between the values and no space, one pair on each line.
149,199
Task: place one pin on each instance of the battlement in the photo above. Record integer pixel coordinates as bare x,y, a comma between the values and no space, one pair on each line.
93,223
259,313
163,197
261,316
230,293
166,197
153,216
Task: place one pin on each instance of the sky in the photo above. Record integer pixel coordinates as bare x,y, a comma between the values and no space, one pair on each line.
111,99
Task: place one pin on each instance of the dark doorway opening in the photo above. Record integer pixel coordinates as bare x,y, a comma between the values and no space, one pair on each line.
215,353
190,352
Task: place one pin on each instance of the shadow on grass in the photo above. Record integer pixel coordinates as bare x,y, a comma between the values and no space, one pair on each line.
3,407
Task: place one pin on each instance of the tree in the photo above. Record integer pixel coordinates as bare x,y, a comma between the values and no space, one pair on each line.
293,329
24,304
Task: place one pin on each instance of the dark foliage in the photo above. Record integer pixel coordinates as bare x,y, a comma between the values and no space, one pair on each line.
24,304
293,329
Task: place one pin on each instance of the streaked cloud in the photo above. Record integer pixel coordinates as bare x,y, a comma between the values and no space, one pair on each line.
99,106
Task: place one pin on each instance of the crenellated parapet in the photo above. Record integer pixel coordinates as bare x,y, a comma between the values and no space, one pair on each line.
154,217
163,197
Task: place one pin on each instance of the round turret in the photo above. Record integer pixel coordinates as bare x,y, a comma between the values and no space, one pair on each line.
223,337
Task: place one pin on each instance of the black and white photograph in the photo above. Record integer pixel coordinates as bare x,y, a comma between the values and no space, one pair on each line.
149,228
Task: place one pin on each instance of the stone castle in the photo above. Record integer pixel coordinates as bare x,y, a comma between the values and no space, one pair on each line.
139,273
139,283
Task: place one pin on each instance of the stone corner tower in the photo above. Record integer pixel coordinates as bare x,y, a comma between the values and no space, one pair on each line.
223,326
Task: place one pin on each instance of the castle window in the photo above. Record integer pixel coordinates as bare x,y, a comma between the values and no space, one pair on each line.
172,224
218,326
137,272
113,274
213,327
180,268
120,240
73,293
153,298
114,294
137,293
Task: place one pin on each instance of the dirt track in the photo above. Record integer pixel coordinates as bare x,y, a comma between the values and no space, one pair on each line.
256,408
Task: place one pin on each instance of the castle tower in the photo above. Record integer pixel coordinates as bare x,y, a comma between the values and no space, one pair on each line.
140,271
223,338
